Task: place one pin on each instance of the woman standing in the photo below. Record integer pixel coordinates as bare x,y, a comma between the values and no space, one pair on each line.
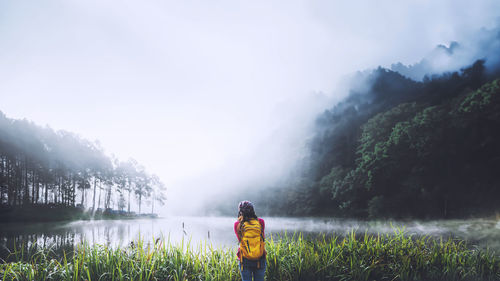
250,233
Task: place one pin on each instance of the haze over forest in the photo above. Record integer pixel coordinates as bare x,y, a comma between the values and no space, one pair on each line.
274,100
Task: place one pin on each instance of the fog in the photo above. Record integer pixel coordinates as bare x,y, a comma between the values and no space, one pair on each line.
218,231
218,95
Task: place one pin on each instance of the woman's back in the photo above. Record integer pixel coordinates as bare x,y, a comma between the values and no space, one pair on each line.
251,252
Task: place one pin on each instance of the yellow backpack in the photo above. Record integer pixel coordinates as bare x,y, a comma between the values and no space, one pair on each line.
252,243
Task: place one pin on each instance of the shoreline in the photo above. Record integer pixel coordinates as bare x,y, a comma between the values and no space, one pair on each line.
390,257
58,213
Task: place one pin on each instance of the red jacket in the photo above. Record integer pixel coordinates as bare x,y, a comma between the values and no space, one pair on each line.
237,223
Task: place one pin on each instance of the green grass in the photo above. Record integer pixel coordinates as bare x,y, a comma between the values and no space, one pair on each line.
354,257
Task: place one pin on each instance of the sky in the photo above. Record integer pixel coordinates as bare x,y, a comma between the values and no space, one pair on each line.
208,93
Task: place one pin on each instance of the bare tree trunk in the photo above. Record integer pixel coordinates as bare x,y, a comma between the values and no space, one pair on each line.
100,191
108,197
54,194
59,192
73,190
37,188
46,193
26,187
18,187
83,191
129,189
93,203
33,179
140,197
54,189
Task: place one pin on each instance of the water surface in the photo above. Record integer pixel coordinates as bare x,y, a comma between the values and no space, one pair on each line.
483,233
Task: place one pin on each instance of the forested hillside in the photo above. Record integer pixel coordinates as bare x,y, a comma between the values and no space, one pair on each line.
39,166
397,147
404,149
415,141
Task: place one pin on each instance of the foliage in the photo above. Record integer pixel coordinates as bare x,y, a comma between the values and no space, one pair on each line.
438,156
401,148
40,166
354,257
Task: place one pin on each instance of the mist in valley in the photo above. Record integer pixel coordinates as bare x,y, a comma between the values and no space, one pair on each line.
230,101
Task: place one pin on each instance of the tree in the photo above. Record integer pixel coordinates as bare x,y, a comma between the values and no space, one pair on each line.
39,165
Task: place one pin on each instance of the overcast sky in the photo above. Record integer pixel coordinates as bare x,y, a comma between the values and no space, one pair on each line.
191,87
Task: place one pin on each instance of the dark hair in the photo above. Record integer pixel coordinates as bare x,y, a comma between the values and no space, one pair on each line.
246,210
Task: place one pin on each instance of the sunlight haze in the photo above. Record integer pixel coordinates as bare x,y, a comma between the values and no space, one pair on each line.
193,88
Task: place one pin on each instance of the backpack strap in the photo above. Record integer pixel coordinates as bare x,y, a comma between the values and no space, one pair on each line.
261,231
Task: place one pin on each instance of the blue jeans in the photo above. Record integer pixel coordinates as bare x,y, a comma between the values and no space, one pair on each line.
251,269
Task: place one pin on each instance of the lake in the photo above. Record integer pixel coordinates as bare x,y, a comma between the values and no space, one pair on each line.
483,233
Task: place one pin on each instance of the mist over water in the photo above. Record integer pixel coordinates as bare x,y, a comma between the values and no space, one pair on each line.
218,231
221,100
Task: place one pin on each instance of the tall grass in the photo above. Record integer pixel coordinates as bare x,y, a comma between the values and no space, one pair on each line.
354,257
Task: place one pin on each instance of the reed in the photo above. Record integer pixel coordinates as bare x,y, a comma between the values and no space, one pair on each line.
396,256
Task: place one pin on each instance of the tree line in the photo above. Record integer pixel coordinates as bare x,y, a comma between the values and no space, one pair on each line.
404,149
41,166
400,148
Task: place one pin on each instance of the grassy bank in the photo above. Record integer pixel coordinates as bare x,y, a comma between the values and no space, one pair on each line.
387,257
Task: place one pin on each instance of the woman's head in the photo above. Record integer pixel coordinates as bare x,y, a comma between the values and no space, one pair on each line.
245,209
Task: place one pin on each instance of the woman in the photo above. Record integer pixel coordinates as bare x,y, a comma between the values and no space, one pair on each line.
250,233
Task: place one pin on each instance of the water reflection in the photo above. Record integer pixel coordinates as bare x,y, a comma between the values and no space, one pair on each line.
219,231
